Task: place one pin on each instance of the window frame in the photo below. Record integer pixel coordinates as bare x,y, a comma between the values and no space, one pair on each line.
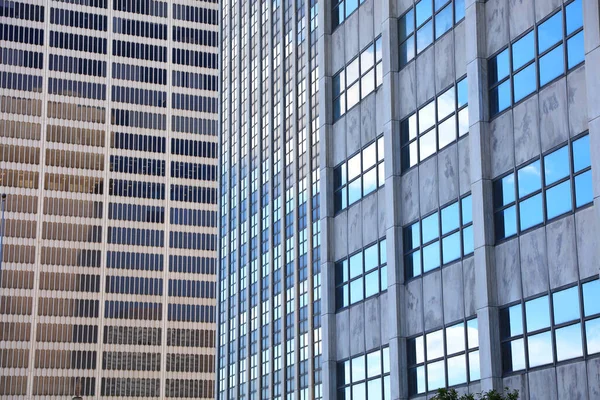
537,56
582,320
462,226
543,189
366,379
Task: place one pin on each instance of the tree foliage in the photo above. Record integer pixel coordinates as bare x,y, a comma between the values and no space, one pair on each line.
451,394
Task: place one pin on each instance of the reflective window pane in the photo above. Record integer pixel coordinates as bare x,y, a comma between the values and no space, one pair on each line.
468,243
447,132
556,165
407,25
513,355
382,251
504,191
407,50
472,333
591,298
575,50
358,368
540,349
356,265
457,370
584,192
410,156
443,21
450,219
436,378
445,104
369,156
427,117
408,128
356,291
592,333
353,95
367,58
372,284
581,153
351,6
474,369
459,10
568,343
375,389
455,339
339,176
524,83
435,344
500,98
343,373
550,32
498,67
566,305
438,4
341,272
427,145
352,71
530,179
558,200
342,297
431,256
523,51
430,226
359,391
511,321
412,264
374,364
463,121
423,11
367,84
467,210
424,35
530,212
574,16
551,65
371,257
412,236
505,223
415,351
537,314
354,191
386,360
416,380
370,182
462,90
451,249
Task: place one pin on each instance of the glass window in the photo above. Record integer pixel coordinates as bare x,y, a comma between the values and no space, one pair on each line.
424,35
583,189
529,179
500,98
531,213
513,355
524,83
558,200
566,305
374,364
540,349
407,25
592,333
556,165
574,16
523,51
591,298
455,339
568,342
450,219
511,321
457,370
498,67
424,11
443,21
575,50
436,376
435,345
550,32
551,65
537,313
581,153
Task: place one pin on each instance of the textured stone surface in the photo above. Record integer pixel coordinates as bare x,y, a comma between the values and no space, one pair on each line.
407,90
544,8
452,284
355,227
508,272
425,65
342,329
340,239
502,144
368,112
576,98
562,254
370,218
448,174
496,18
414,308
571,381
432,300
534,266
588,243
521,16
464,165
593,377
410,196
460,66
526,128
339,138
542,385
357,329
353,143
428,185
372,324
554,114
444,55
469,286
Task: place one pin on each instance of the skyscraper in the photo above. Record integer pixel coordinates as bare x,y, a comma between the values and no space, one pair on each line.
449,212
108,157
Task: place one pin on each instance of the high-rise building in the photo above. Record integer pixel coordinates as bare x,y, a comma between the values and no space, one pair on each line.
109,159
409,199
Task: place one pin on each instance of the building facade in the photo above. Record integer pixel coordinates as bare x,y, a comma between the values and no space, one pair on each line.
453,163
109,159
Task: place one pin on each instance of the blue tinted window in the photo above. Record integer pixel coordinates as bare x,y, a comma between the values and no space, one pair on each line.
431,256
537,314
568,342
524,82
540,349
450,218
412,237
591,298
459,10
574,16
556,165
575,50
407,25
584,193
500,98
566,305
523,51
462,91
551,65
498,67
467,210
451,248
468,244
504,191
430,228
443,21
506,222
530,179
558,200
424,35
424,11
530,212
581,153
550,32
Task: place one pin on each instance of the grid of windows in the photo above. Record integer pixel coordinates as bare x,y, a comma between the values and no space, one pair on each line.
342,9
438,239
537,58
358,79
426,22
435,125
365,377
551,186
361,175
444,357
361,275
552,328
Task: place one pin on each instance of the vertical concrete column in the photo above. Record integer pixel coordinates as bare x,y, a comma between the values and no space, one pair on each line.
328,319
393,201
591,27
481,190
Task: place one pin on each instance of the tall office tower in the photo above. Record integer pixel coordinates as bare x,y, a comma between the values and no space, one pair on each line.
458,199
269,319
108,157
